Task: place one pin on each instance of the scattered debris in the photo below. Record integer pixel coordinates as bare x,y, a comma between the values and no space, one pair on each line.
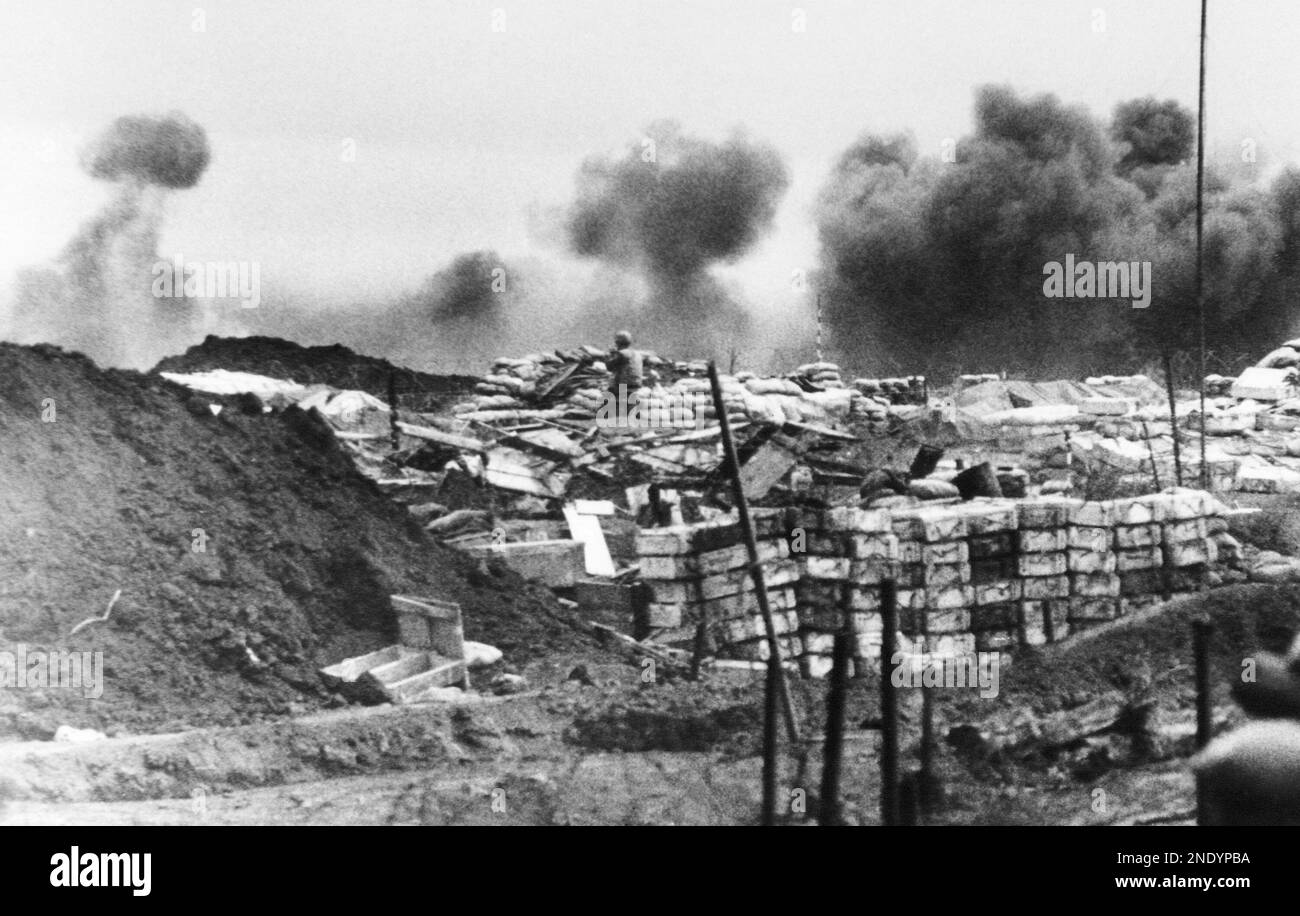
101,619
431,656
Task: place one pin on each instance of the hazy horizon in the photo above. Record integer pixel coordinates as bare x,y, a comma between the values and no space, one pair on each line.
469,138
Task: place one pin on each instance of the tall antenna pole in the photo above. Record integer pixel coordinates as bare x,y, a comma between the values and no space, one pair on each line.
1200,225
819,327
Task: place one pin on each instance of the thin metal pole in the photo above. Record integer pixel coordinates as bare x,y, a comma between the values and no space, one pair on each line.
1173,416
1200,225
833,749
889,808
751,546
819,327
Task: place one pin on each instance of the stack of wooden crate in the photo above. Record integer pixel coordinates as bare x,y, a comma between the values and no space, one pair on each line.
934,575
700,573
843,555
991,527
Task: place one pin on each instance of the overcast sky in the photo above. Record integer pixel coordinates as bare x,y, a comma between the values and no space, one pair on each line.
463,130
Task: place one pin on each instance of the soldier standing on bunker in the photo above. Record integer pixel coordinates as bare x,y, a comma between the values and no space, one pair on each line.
626,366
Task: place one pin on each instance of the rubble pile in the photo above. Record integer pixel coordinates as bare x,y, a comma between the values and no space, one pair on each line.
572,385
1120,426
492,475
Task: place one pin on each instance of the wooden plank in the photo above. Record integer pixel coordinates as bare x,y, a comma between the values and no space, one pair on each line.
350,669
818,430
441,673
549,442
660,653
400,669
511,469
557,379
765,467
442,438
428,607
586,530
593,506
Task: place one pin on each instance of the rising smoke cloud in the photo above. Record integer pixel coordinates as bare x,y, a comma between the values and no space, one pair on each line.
936,262
97,298
171,152
668,209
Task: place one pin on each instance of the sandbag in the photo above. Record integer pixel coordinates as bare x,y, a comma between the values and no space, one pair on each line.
1282,358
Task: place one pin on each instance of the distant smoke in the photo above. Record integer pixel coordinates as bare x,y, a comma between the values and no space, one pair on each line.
938,262
98,299
461,318
474,286
671,207
674,204
171,151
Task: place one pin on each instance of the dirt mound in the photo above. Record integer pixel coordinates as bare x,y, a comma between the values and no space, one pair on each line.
247,548
334,365
680,720
1151,652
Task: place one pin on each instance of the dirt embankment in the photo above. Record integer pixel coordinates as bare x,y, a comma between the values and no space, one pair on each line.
247,548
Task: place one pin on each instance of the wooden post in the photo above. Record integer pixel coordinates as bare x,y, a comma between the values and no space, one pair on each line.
925,780
1151,451
700,645
770,715
1202,630
395,434
1173,416
833,748
889,807
751,547
909,802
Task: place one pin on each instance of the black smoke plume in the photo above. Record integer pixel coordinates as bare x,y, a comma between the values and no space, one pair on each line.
672,206
937,262
170,151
